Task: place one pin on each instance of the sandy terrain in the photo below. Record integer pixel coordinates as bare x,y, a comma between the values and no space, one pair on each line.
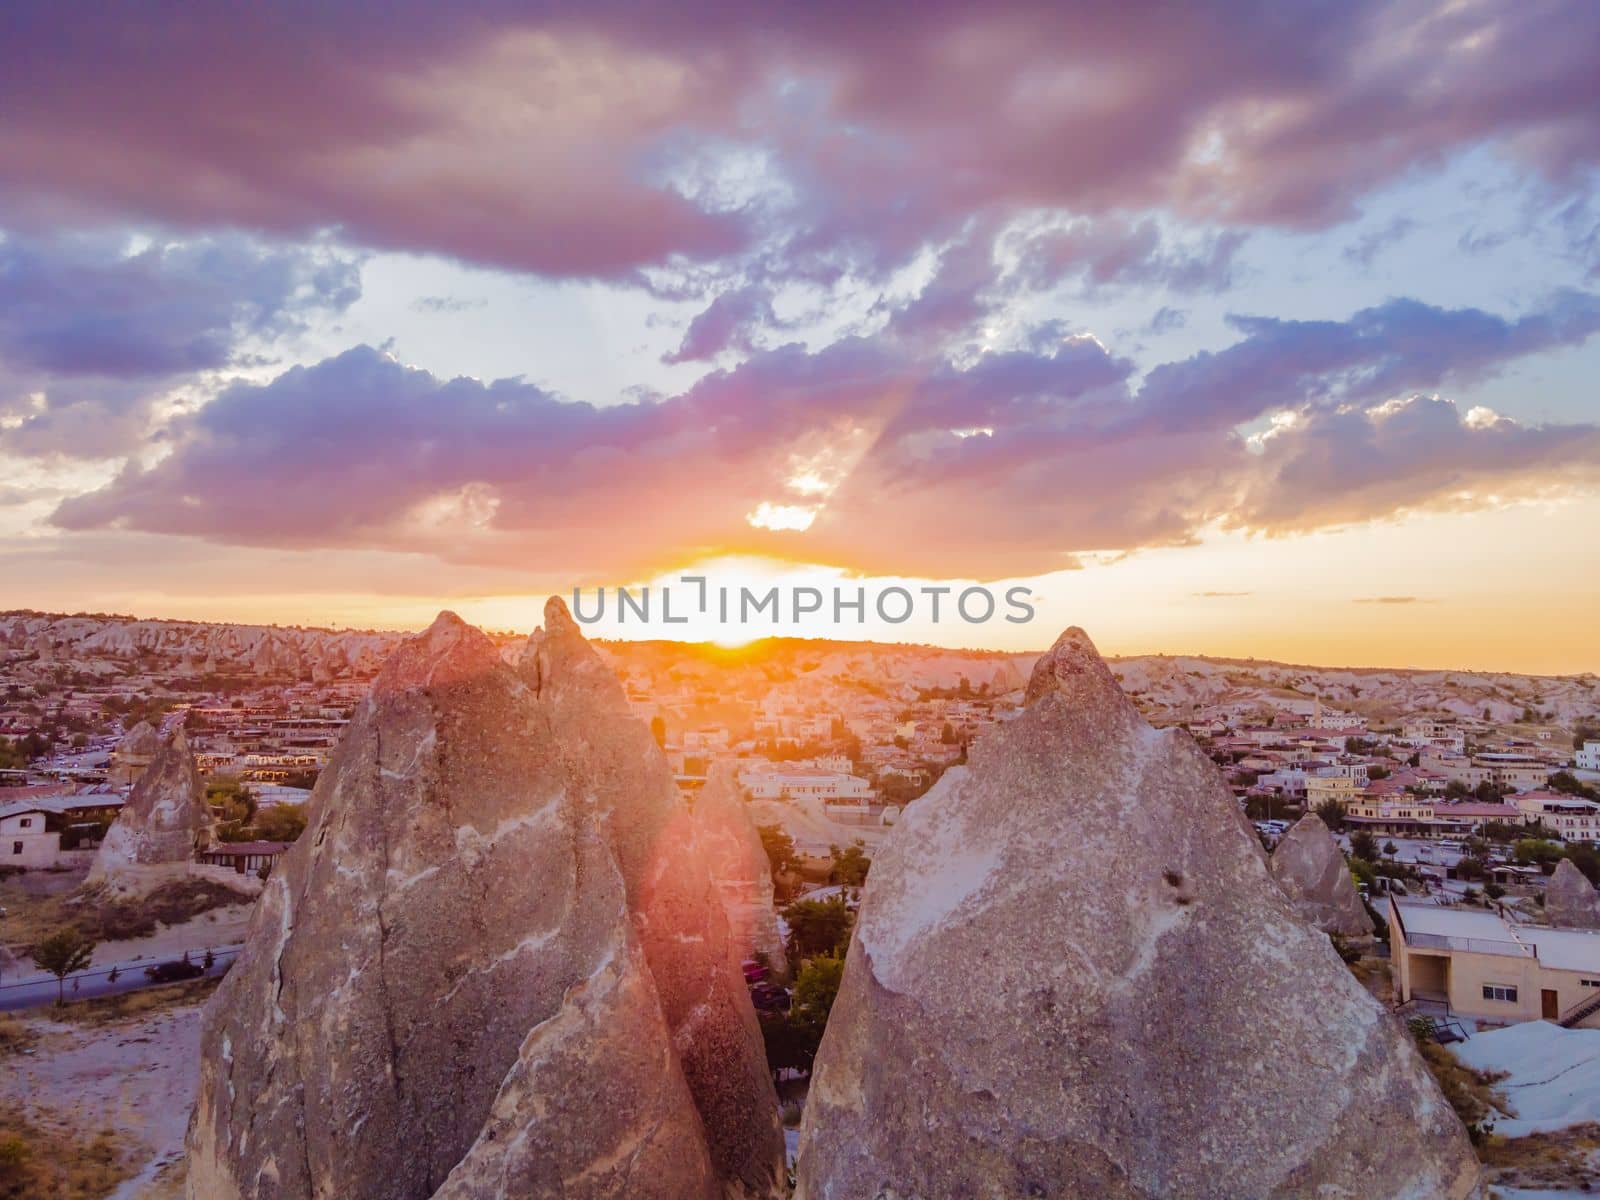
137,1076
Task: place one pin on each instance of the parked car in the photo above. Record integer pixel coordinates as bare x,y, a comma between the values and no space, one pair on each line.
769,997
173,972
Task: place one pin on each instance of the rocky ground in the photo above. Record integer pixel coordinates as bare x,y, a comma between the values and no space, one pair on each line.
125,1067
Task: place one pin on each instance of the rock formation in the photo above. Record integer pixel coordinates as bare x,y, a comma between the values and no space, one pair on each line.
1311,869
132,754
672,898
447,989
1570,899
164,822
731,847
1073,976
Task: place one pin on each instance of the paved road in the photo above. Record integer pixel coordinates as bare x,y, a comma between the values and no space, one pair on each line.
34,992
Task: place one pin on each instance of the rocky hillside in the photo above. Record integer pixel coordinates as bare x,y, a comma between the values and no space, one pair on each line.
112,645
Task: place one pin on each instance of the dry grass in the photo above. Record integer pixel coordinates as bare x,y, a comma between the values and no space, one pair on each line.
103,1010
1471,1093
33,916
38,1162
1567,1159
14,1036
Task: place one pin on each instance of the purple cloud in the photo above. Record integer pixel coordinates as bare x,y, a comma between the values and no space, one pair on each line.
903,461
99,328
601,139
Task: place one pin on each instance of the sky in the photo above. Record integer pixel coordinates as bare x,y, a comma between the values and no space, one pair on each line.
1236,328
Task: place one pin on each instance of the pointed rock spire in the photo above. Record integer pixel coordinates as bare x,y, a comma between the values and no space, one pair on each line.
1311,869
452,986
680,915
133,753
164,822
1570,900
1074,670
1072,975
731,847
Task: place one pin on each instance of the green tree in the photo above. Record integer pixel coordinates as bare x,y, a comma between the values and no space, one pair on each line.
1537,850
779,847
1566,782
61,954
1364,845
850,865
1332,814
818,927
815,990
235,802
281,823
658,729
947,735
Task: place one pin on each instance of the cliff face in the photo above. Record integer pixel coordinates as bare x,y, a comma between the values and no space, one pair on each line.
676,907
1312,871
731,847
163,823
447,989
1073,975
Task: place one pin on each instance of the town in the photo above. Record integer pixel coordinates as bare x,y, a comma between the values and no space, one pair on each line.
1462,810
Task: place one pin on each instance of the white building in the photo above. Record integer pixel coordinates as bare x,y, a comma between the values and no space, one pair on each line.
1588,759
24,841
1576,820
797,782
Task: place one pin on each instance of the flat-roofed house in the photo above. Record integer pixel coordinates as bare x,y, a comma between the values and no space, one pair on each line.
1481,966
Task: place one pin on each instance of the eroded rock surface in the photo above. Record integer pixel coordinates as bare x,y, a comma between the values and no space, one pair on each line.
732,850
1311,869
1570,900
675,905
447,989
162,825
1074,976
132,754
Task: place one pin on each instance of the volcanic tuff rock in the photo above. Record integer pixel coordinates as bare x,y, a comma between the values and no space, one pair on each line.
1311,869
132,754
675,906
1074,976
163,823
733,853
1570,899
446,990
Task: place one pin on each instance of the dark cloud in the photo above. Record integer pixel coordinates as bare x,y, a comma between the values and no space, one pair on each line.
89,305
1380,352
598,139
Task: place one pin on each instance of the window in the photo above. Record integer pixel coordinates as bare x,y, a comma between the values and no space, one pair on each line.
26,823
16,847
1594,983
1500,991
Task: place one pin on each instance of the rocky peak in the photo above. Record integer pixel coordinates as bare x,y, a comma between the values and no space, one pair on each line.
1074,670
454,985
1073,975
448,652
164,821
731,847
1570,899
1311,869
